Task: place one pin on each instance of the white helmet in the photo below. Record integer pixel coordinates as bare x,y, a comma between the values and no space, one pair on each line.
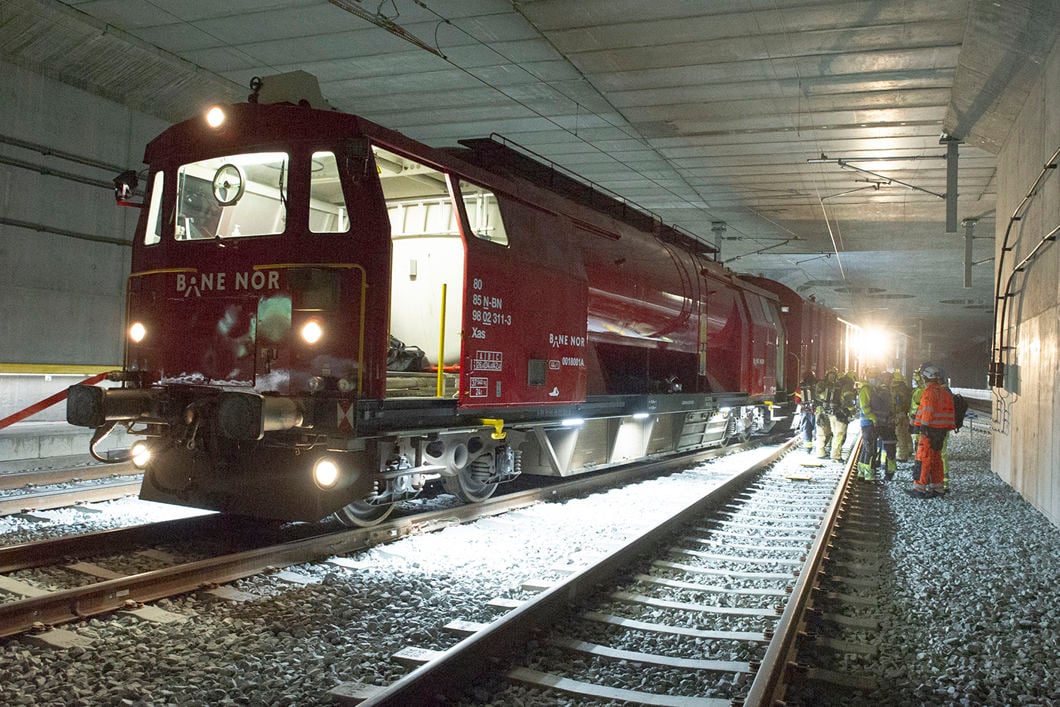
931,372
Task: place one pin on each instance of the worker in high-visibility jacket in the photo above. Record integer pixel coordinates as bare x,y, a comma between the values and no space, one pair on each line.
826,393
903,395
934,418
806,404
842,412
877,416
914,403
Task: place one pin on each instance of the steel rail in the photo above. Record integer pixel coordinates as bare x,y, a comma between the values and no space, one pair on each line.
770,681
61,498
461,665
44,477
76,547
109,595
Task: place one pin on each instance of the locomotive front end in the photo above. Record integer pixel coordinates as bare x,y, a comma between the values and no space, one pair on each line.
248,312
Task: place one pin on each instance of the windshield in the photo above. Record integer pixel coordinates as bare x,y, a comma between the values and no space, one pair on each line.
232,196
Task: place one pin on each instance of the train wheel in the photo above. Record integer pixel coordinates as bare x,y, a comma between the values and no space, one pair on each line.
733,435
471,484
362,515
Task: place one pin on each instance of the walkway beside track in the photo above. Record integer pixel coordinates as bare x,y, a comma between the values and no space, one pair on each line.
969,603
32,445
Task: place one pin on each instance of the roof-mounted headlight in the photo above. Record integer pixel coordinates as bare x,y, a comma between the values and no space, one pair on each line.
215,117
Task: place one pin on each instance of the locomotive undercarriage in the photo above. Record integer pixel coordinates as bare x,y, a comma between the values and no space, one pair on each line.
278,476
243,453
240,452
468,464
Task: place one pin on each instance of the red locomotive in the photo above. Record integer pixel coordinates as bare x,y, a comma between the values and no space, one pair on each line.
324,316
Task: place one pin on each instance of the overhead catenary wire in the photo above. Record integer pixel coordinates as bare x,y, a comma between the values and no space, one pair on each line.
578,107
845,164
831,234
816,183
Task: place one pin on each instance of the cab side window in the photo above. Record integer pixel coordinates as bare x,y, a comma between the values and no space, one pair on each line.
483,213
153,232
327,204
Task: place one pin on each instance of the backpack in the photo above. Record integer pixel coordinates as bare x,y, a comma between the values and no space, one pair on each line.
400,357
960,407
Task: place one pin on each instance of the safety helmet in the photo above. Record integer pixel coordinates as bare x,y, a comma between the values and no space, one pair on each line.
931,372
898,377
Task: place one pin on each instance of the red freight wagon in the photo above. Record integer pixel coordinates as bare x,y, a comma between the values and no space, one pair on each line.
813,334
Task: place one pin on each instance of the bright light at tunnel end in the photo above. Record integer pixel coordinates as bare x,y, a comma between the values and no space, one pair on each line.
875,344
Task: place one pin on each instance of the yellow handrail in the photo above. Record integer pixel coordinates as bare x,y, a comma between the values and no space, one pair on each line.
440,384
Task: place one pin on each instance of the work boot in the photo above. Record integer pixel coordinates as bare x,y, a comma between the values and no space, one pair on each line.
917,494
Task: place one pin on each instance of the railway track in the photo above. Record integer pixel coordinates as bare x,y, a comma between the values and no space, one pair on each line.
70,492
61,486
62,475
842,628
703,608
99,589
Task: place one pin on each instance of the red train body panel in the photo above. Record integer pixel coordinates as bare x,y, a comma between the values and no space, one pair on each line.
813,333
326,316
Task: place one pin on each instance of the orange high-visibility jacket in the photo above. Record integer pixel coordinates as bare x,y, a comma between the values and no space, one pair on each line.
936,408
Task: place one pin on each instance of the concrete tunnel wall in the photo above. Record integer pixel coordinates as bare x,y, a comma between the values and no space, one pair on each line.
63,295
1026,427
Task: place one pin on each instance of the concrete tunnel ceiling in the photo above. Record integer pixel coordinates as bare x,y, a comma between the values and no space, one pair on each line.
729,119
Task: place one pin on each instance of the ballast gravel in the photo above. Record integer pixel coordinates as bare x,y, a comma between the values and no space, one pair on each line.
970,616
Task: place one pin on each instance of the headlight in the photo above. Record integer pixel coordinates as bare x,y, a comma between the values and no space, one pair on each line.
312,332
137,332
325,473
215,117
140,454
